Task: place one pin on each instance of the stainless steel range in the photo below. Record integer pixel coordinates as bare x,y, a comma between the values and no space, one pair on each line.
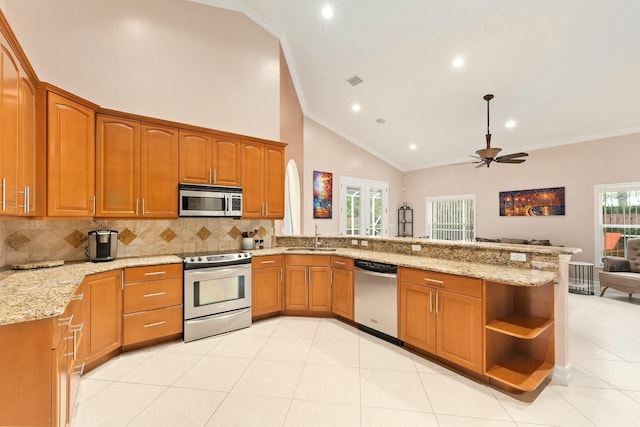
217,293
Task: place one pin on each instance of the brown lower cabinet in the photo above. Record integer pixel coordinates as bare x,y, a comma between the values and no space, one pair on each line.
152,303
41,361
307,283
38,361
267,277
105,315
342,292
442,314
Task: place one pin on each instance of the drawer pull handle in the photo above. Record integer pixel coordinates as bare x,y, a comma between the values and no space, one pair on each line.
155,273
76,328
149,325
267,262
157,294
340,262
65,321
440,282
77,297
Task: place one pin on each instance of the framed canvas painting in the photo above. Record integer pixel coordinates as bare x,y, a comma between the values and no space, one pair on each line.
537,202
322,195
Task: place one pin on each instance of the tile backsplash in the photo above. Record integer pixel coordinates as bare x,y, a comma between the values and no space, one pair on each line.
25,241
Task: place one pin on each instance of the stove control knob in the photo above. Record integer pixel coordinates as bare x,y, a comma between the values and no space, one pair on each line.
199,258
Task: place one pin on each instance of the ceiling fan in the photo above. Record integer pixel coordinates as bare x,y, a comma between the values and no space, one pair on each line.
487,155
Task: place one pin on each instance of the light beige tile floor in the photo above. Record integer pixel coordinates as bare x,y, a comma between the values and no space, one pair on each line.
320,372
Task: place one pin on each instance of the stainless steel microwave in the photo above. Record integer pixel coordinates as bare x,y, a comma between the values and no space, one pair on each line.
210,201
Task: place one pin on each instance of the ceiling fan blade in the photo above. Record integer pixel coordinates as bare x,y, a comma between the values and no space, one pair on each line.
511,156
482,163
511,160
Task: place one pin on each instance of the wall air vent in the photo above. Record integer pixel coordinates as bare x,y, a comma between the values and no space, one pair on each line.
354,81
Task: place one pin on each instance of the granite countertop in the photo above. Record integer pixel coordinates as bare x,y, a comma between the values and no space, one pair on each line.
45,292
510,276
42,293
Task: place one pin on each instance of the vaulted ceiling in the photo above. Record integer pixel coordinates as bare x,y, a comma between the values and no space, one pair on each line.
563,71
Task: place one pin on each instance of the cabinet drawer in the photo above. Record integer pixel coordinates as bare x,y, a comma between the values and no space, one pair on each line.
148,325
308,260
152,272
450,282
153,294
342,262
266,261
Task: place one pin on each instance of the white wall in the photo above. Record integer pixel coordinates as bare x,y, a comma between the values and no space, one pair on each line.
577,167
328,152
170,59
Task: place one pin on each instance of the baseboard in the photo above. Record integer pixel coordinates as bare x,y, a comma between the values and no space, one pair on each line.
562,375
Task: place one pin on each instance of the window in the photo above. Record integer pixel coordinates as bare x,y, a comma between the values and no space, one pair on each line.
451,217
363,207
617,208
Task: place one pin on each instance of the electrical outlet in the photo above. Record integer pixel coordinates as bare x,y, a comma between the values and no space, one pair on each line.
354,242
515,256
364,243
416,248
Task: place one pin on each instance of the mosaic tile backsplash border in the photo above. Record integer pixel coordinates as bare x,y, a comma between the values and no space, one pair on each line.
27,241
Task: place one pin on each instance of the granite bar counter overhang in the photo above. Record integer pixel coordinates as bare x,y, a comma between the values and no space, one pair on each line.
488,261
27,295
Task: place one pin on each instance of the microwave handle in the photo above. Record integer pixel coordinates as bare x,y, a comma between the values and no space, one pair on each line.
227,201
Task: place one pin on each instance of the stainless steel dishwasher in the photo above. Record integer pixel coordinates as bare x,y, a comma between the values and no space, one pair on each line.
376,296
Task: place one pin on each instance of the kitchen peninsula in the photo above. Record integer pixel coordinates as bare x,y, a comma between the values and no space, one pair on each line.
517,317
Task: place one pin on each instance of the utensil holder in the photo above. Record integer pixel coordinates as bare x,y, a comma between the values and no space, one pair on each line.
247,243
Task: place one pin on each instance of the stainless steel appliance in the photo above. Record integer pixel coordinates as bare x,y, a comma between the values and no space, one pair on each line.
217,294
210,201
376,297
103,245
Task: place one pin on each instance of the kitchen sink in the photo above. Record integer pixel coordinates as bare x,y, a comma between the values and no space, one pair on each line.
312,249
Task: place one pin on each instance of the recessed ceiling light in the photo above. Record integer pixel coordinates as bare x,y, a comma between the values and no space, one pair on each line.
413,147
355,107
510,124
458,62
327,12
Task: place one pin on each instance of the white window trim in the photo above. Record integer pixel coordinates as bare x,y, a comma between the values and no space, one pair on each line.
429,215
597,190
365,184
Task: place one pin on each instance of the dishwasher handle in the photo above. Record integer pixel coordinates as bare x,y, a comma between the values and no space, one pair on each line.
374,273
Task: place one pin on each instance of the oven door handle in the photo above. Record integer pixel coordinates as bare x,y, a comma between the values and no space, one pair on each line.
216,271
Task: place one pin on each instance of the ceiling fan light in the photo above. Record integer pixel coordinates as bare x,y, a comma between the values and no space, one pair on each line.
488,153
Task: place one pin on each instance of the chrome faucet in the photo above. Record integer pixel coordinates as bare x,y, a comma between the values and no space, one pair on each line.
316,243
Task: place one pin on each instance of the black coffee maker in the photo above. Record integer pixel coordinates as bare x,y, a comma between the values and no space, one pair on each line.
103,245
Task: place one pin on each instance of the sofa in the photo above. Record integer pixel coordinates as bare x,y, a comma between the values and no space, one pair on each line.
515,241
622,274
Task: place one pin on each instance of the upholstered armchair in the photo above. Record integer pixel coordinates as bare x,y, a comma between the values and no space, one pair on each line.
622,274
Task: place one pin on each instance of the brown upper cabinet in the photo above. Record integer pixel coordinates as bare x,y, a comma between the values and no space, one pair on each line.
208,159
17,136
70,157
136,169
262,167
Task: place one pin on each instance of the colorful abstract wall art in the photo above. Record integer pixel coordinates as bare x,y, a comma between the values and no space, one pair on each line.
322,195
538,202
